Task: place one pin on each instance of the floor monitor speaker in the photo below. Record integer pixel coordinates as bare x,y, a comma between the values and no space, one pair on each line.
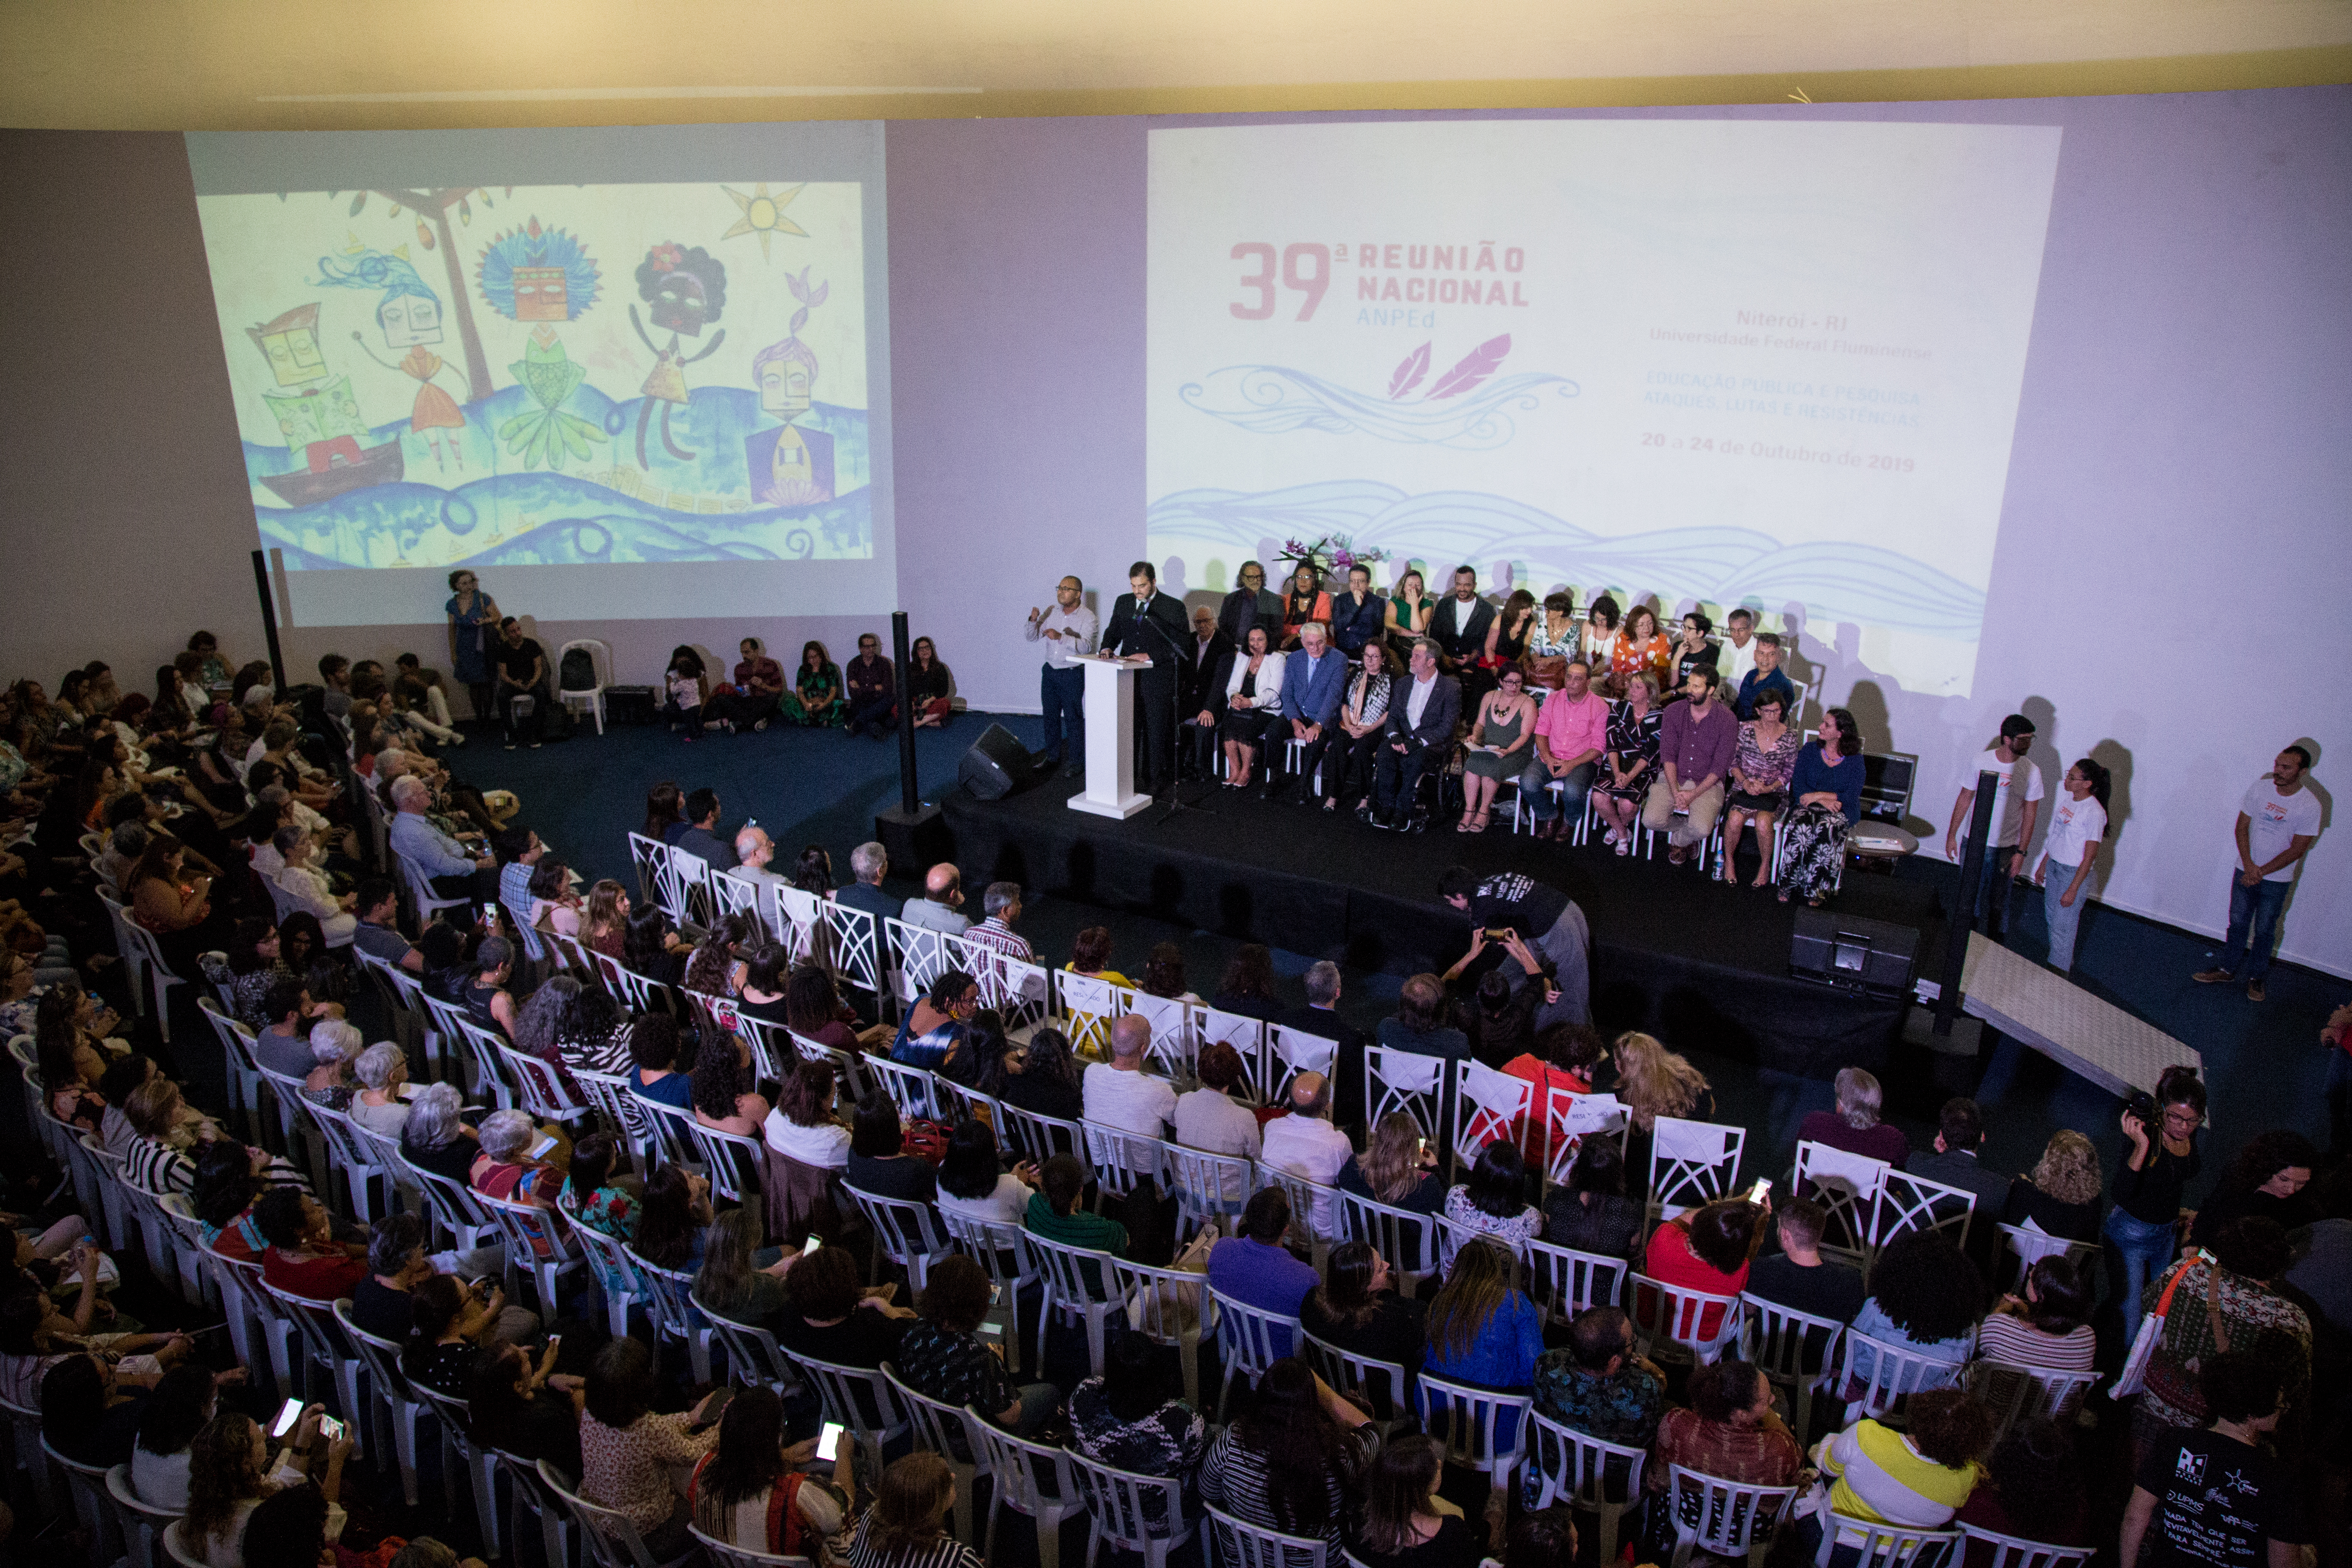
1874,958
997,764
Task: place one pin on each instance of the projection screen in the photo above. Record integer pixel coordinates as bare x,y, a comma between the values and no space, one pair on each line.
1711,363
556,353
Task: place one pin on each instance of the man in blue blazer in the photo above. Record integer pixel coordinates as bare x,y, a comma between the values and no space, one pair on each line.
1312,680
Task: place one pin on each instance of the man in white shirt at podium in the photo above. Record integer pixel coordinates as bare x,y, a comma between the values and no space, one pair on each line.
1149,624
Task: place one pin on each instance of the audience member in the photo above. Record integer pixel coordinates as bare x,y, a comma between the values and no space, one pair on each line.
1208,1116
435,1139
1119,1093
515,1405
754,1491
1597,1385
1561,1063
1304,1143
1916,1478
626,1450
2149,1184
1960,1134
303,1257
941,1356
1001,905
1729,1432
2270,1177
1653,1081
1491,1202
1247,988
2047,1326
907,1526
938,908
1055,1213
1288,1462
185,1398
803,1126
1797,1276
833,1318
653,1056
1925,1299
869,864
1133,1418
737,1280
1356,1309
1399,1169
724,1100
1418,1024
1041,1076
973,1182
936,1032
2031,1490
228,1490
1481,1330
2225,1295
1590,1212
1707,1249
2060,1196
1254,1267
674,1220
1404,1523
879,1162
1855,1127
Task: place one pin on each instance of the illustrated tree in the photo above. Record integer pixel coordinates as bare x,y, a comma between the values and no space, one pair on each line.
439,204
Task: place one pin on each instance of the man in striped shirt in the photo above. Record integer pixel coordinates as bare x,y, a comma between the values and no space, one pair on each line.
1002,904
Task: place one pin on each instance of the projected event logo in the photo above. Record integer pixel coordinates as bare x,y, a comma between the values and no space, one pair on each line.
414,391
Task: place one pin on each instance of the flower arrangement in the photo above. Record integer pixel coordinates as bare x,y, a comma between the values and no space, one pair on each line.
1332,552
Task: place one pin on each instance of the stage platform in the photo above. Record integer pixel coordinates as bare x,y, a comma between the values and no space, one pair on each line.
1687,959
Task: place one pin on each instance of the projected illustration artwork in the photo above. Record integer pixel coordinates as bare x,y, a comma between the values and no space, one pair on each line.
1699,363
512,376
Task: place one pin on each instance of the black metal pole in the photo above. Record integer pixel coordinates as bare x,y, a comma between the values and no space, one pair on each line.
268,621
907,792
1958,930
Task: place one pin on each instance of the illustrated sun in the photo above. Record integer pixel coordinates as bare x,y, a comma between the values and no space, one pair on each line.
763,215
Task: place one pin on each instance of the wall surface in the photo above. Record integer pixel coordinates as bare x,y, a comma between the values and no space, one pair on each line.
2174,536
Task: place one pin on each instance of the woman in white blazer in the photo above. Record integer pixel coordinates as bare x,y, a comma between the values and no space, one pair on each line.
1252,696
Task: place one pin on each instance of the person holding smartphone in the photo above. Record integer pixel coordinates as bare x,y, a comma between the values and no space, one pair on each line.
759,1492
626,1450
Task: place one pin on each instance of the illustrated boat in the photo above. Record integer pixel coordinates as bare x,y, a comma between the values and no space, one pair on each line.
340,472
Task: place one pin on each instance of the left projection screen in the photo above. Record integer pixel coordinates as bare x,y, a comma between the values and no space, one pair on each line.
547,354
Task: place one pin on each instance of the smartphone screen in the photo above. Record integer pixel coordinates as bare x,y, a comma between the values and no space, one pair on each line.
331,1429
829,1439
1756,1194
489,915
287,1413
813,1243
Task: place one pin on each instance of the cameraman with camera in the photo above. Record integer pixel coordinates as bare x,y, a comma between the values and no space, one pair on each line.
2147,1220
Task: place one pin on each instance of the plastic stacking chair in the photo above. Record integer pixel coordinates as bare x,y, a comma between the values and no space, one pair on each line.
1883,1545
754,1357
861,1399
1875,1377
1003,1250
1242,1545
538,1243
530,1495
1249,1339
1794,1351
179,1550
1385,1384
606,1535
1156,1299
1478,1429
726,1554
1697,1324
946,1430
1603,1478
2012,1551
909,1234
1408,1240
1081,1283
615,1272
1119,1510
398,1412
670,1303
1016,1462
2014,1392
1724,1519
93,1504
143,1523
1566,1282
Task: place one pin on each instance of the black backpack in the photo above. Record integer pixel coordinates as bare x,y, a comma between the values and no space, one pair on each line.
578,672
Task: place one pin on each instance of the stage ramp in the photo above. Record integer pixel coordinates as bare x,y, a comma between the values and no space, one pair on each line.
2039,1007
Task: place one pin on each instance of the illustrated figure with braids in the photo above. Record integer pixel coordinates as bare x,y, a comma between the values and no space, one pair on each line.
410,315
684,290
790,465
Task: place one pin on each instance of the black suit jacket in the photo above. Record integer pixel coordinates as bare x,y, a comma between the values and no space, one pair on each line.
1442,712
1197,685
1169,630
1468,642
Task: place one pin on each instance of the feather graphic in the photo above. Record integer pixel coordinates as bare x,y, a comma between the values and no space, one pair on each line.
1475,367
1409,374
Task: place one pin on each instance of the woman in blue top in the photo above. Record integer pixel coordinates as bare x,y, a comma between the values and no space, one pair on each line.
1482,1332
1825,799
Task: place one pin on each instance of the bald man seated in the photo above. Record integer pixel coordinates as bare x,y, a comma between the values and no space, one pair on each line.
941,908
1304,1143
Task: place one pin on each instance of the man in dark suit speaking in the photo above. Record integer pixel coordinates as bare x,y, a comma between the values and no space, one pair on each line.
1149,624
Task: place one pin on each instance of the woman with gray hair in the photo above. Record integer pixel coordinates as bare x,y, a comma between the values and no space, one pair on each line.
436,1140
1854,1126
398,1263
541,1018
508,1166
334,1046
308,890
383,1072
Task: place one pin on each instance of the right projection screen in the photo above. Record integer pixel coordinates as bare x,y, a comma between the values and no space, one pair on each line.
1703,362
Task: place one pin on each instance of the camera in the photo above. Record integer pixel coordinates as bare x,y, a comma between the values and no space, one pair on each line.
2141,1108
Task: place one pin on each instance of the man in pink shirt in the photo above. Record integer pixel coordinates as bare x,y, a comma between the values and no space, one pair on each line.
1571,728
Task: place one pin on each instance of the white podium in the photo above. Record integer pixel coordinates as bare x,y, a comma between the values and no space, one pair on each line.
1110,740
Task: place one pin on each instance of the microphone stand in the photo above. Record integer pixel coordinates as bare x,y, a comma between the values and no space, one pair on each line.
1176,801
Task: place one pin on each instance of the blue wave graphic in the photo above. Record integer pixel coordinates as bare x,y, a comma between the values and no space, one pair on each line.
1273,400
476,505
1842,580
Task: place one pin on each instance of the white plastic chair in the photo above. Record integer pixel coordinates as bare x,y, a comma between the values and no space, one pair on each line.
2015,1551
1794,1351
1408,1241
909,1234
855,945
1118,1160
1908,1203
909,1088
1386,1385
1069,1290
1603,1478
1249,1338
1407,1081
754,1357
1119,1511
728,1556
1479,1428
143,1523
1725,1518
951,1434
1892,1374
1155,1300
146,955
537,1243
2022,1248
1307,1199
398,1411
1566,1282
1691,1164
615,1270
669,1301
848,1394
244,1074
600,658
93,1504
1847,1187
1570,1118
1883,1545
1242,1545
1175,1047
1040,1138
1016,1462
1495,1103
423,899
1679,1316
1288,1053
606,1534
2013,1393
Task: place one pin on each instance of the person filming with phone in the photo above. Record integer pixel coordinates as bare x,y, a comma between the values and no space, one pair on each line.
1512,902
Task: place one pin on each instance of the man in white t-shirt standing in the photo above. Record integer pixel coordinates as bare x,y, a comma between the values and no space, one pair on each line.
2277,820
2016,804
1068,631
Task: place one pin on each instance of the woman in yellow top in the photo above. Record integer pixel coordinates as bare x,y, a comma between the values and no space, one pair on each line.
1090,957
1916,1479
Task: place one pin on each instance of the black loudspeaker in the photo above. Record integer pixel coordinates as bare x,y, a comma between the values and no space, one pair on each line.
997,764
1872,958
